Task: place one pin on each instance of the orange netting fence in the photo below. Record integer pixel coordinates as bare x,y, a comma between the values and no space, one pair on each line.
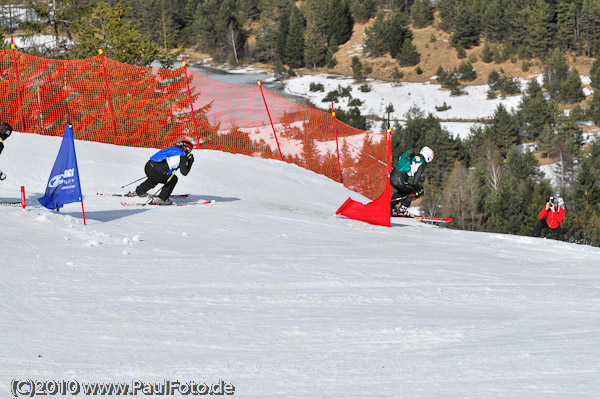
116,103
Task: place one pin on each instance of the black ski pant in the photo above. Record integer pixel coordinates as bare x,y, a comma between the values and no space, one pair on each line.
156,174
399,181
541,224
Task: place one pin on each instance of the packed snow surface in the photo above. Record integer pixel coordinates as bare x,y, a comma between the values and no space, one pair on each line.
270,292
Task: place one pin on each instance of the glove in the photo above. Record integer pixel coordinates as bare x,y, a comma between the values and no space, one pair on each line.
191,159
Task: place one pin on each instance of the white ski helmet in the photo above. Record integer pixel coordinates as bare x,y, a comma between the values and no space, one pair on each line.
427,153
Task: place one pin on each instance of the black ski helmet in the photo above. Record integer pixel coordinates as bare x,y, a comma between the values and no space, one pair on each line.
186,146
5,130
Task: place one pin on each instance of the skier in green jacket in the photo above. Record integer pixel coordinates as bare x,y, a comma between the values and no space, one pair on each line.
405,178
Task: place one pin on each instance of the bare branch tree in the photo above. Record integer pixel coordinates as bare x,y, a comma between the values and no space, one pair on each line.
491,161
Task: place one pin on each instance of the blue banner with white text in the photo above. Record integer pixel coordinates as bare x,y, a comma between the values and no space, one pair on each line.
64,185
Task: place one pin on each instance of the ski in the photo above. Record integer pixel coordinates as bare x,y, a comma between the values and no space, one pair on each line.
435,219
126,196
173,204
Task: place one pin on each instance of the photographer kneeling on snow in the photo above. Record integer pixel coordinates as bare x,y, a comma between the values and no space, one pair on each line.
551,216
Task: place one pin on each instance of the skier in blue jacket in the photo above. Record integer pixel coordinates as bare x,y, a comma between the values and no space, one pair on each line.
161,168
405,178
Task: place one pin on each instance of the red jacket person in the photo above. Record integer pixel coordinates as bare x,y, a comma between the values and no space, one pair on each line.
551,216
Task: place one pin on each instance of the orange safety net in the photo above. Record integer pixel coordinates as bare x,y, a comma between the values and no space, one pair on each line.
116,103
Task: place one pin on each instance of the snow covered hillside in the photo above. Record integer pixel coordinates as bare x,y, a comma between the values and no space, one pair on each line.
269,292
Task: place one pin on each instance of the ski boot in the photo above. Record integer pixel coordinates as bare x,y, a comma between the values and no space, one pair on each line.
402,211
160,201
135,194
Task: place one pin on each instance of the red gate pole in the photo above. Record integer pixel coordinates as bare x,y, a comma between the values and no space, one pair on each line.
187,83
23,197
112,115
337,146
270,120
12,46
83,213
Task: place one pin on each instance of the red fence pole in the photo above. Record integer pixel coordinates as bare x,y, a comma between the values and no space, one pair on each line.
337,146
191,102
270,120
112,115
12,46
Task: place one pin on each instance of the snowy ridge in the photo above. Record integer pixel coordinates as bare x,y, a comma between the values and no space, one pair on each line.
270,292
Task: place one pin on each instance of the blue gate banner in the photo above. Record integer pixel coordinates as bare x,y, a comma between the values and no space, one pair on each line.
64,185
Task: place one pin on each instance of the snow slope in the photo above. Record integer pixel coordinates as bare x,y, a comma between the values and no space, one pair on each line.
268,291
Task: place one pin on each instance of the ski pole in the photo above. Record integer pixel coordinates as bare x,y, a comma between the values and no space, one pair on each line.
408,196
366,153
128,184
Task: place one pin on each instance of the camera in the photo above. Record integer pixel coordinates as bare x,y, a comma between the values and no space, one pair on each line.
551,200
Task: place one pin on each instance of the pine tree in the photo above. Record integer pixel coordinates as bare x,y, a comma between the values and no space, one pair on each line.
583,223
294,44
315,47
587,187
590,30
204,26
408,55
339,21
510,206
374,43
546,141
555,73
357,69
566,20
487,55
283,28
542,28
266,41
363,10
595,76
572,91
107,28
448,10
466,71
503,130
396,33
534,111
493,24
518,21
421,13
465,33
